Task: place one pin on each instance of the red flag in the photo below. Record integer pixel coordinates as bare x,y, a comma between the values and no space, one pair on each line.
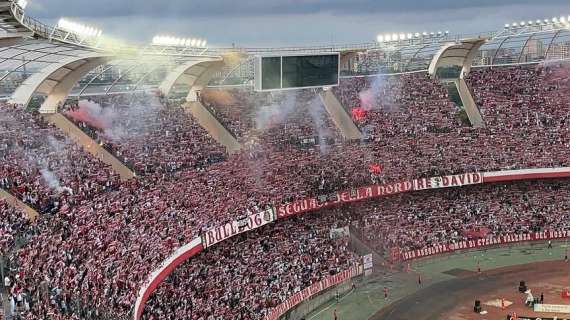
358,113
375,168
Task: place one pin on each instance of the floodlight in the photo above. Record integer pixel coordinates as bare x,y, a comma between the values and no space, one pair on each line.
380,38
78,29
554,20
425,34
446,32
193,42
204,43
394,37
515,25
562,19
417,35
402,36
537,22
522,23
23,3
507,26
409,36
546,21
388,38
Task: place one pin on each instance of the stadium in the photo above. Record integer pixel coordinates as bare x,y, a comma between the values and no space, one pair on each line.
415,176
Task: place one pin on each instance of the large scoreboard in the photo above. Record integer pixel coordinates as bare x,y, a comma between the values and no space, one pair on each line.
296,71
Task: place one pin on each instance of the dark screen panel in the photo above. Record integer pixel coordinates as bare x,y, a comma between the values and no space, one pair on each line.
271,73
310,71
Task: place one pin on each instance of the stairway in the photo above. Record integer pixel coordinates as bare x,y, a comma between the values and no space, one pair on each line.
339,116
213,126
89,145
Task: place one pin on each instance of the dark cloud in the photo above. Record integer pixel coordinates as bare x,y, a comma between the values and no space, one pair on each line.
206,8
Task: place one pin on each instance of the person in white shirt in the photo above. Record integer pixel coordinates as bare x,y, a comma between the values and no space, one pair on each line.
7,282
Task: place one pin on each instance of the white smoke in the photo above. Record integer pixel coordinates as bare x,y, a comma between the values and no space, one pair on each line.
56,145
51,179
268,116
370,98
121,122
317,112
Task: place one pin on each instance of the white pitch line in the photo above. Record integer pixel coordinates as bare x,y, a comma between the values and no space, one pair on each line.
332,304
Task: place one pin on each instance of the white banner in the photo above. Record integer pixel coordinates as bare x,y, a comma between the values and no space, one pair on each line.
236,227
367,261
457,180
552,308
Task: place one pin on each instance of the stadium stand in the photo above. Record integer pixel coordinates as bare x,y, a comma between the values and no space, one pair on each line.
99,238
249,275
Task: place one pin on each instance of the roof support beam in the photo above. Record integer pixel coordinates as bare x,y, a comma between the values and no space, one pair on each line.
60,92
57,80
196,74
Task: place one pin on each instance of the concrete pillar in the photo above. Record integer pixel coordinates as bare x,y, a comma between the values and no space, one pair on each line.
339,116
469,104
213,126
89,145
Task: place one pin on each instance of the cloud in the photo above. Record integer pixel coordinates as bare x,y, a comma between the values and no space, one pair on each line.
201,8
292,22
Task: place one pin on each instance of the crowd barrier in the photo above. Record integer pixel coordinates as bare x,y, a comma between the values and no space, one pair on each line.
481,243
254,221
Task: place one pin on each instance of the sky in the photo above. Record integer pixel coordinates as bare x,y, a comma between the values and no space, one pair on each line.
261,23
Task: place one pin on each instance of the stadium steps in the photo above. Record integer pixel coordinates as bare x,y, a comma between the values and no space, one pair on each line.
339,116
10,199
469,104
205,119
89,144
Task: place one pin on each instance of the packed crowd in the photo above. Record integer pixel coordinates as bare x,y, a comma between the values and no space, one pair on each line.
410,120
423,219
147,134
14,223
251,274
40,166
103,237
245,277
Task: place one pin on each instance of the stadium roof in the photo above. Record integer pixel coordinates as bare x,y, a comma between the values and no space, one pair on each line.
31,47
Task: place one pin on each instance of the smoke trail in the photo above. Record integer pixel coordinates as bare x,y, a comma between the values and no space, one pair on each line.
56,145
317,110
120,122
382,94
276,113
51,179
370,98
